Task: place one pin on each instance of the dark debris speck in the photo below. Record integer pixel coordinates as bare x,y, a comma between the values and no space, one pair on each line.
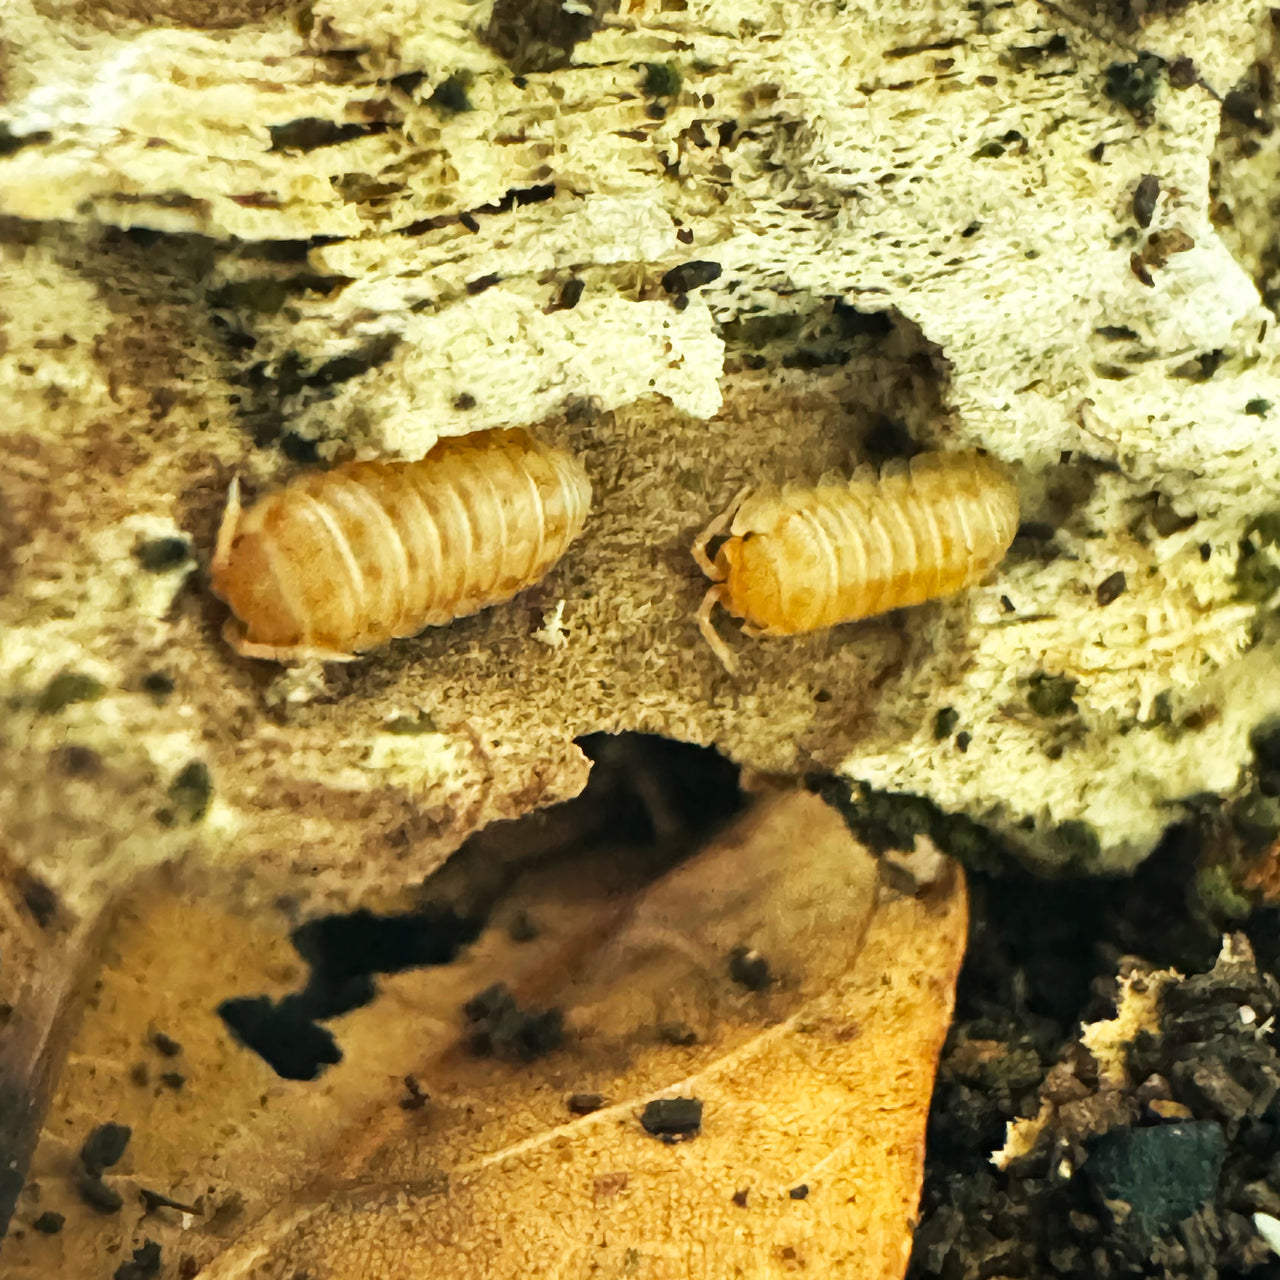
749,969
944,723
164,1044
1110,588
153,1200
97,1194
680,1034
415,1096
160,555
1134,84
501,1028
1145,196
67,688
523,927
104,1146
691,275
144,1264
673,1119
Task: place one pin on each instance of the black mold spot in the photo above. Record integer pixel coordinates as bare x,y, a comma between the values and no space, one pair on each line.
1134,84
1051,695
885,820
311,133
661,79
49,1223
539,35
75,760
410,726
159,555
416,1098
450,95
189,794
11,143
39,899
408,81
344,952
159,684
144,1264
484,282
799,1193
299,449
66,688
502,1029
164,1044
104,1147
583,1104
1258,407
944,723
1242,106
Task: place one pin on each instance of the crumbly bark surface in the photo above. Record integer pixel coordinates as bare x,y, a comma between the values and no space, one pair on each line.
721,244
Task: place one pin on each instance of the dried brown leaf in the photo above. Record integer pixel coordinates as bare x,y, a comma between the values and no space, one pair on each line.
821,1080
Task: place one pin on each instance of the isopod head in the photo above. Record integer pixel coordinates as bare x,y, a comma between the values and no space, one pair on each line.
244,575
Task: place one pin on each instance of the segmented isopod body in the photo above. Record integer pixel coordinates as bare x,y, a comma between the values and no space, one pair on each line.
803,559
342,561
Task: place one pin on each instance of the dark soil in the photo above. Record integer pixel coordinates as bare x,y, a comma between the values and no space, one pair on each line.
1158,1177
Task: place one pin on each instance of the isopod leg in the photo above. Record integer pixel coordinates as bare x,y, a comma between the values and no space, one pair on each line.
714,530
714,596
227,529
235,637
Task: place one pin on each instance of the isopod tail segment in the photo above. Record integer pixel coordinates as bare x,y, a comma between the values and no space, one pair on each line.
718,592
233,629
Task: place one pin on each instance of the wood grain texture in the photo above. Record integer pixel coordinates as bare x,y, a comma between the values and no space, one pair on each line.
807,558
341,561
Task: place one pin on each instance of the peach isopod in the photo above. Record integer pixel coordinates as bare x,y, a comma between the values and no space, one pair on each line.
807,558
341,561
